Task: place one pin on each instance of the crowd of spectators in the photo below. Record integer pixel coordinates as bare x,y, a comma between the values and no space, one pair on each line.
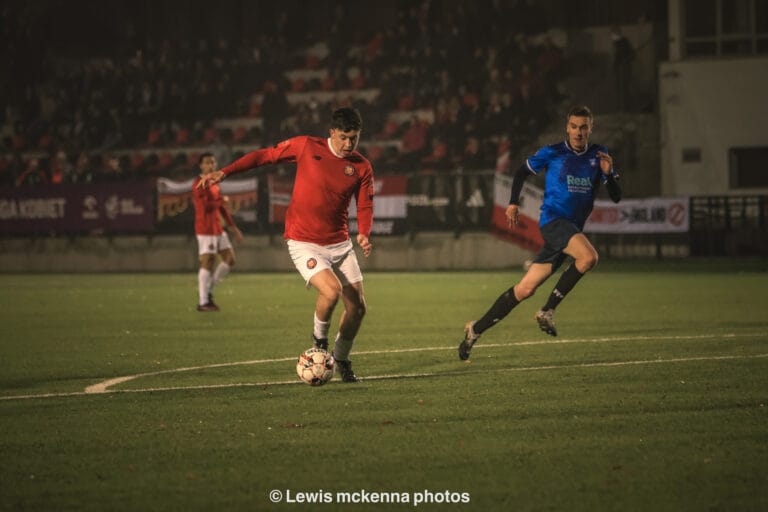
485,77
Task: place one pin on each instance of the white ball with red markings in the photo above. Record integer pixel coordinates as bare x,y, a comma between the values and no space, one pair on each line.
315,366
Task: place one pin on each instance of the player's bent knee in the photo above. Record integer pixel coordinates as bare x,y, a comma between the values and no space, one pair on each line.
356,308
588,262
594,260
207,261
523,292
331,292
228,257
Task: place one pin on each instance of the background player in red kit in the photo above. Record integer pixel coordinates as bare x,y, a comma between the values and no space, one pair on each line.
210,206
329,172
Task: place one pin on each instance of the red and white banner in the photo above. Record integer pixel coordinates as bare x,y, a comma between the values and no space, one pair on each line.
280,190
390,205
652,215
174,200
391,199
526,234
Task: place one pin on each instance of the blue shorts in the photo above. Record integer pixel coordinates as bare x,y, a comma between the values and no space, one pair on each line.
556,235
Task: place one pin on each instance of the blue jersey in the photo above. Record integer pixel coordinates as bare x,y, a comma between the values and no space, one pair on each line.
571,181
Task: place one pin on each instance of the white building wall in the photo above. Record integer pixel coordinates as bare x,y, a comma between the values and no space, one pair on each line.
712,106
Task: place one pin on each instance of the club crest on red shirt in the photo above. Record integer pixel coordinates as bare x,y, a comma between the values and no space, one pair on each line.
349,170
311,263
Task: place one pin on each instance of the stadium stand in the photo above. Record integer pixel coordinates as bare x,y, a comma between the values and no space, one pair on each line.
179,97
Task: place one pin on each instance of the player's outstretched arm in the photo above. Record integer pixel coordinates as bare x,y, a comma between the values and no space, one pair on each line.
210,179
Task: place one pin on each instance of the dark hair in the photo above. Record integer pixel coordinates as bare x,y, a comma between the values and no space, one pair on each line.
203,156
580,111
346,119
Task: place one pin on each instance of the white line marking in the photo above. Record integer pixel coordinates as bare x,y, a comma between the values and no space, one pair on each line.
404,375
103,387
454,373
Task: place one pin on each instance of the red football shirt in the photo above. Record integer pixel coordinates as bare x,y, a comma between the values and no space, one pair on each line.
209,207
324,187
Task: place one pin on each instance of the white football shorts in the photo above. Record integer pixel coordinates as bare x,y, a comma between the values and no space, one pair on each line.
213,244
340,258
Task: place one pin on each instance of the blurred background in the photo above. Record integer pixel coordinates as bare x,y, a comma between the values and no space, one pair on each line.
106,107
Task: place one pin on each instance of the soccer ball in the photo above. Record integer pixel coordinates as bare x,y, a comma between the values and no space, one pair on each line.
315,366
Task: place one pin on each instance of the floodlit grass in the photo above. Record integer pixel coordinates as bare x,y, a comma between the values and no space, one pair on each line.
654,397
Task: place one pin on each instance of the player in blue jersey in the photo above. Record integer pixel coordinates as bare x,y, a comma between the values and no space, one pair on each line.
574,171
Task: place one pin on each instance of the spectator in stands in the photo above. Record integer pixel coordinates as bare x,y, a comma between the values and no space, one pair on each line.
426,57
447,127
82,173
474,157
503,155
495,84
495,117
474,197
111,169
470,114
414,142
32,175
274,108
7,171
113,129
623,55
61,168
14,166
550,61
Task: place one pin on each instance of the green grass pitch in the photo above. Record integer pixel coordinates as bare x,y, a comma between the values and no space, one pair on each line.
653,397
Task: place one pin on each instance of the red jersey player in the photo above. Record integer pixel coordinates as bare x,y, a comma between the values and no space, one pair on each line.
329,173
211,237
